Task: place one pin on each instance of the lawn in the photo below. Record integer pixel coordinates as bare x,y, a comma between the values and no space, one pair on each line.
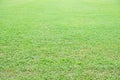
59,40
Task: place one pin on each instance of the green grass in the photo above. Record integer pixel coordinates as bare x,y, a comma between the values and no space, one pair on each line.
59,40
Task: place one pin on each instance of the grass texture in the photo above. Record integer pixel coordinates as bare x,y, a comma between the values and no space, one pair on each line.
59,40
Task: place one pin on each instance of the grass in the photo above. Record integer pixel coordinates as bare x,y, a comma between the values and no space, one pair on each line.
59,40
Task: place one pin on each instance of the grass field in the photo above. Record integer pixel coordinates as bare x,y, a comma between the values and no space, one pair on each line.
59,40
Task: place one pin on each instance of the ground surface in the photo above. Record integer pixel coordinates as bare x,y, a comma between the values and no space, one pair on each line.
59,40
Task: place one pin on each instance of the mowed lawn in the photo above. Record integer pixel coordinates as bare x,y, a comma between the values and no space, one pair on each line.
59,40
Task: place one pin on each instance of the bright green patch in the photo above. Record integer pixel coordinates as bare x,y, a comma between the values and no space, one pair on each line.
59,39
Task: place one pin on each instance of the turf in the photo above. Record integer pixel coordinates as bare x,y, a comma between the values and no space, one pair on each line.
59,40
